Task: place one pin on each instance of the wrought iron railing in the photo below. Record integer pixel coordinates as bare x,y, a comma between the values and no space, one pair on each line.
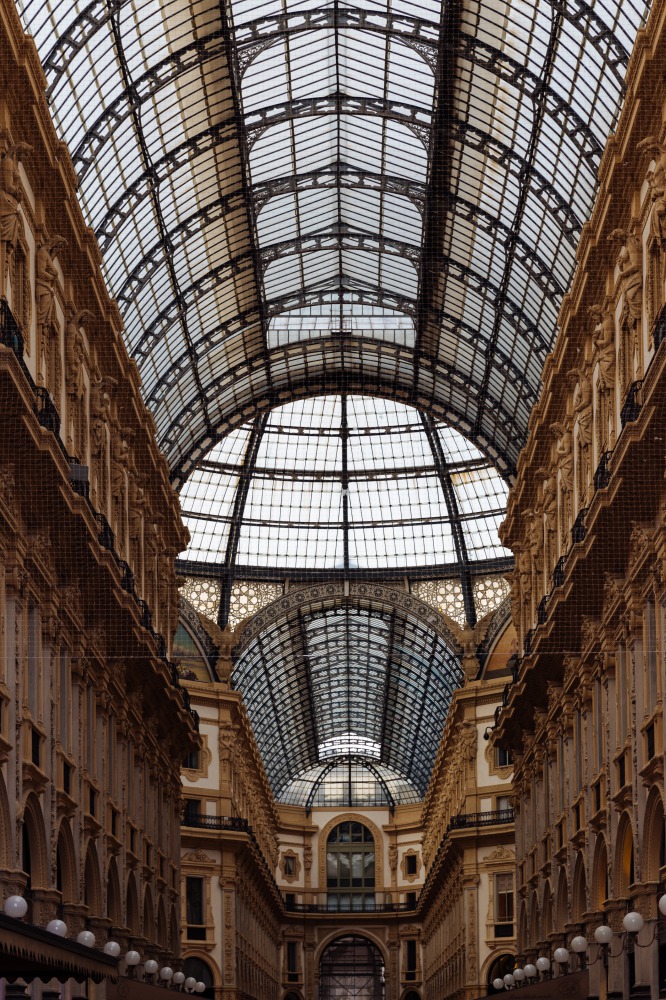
558,572
632,403
579,531
329,907
200,821
492,818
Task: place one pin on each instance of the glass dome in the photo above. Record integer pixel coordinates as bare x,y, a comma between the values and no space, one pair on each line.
344,482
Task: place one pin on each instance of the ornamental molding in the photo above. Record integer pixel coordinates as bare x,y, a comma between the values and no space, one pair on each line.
336,592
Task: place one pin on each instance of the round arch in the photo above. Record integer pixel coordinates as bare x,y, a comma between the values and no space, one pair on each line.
114,909
7,856
354,960
293,995
562,900
653,854
411,995
35,841
351,818
523,927
546,911
496,966
162,927
355,932
203,968
174,931
67,881
579,890
534,924
599,889
623,867
148,914
132,905
92,895
334,591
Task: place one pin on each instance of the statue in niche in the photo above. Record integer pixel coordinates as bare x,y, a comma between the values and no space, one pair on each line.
534,538
137,503
11,195
564,458
152,546
120,453
603,339
656,178
75,357
46,278
582,414
100,407
630,264
549,505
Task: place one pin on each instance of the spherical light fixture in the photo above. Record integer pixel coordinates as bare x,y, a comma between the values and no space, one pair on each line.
578,944
662,905
509,981
561,956
519,975
543,964
150,967
200,987
15,906
498,984
58,927
178,978
633,922
132,958
112,948
530,971
166,973
190,983
603,934
86,938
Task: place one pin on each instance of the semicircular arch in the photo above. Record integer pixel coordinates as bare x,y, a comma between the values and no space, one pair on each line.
351,817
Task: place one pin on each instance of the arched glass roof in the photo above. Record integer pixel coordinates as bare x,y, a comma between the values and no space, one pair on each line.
375,197
339,482
355,681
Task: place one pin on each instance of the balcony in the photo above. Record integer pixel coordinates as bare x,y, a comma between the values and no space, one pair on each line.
493,818
199,821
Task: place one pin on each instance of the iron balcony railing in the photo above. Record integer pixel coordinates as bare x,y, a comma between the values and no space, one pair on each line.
492,818
330,907
202,822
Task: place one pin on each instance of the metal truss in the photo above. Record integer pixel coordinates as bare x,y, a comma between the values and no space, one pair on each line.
338,175
540,97
195,54
454,517
304,374
340,237
237,516
351,759
418,120
95,15
255,37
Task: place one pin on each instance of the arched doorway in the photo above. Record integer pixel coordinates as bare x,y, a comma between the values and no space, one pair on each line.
201,971
351,968
502,965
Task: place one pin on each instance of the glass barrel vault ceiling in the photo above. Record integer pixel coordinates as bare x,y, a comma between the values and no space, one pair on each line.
343,482
287,195
362,682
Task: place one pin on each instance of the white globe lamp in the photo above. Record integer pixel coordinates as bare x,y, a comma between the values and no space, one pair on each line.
498,984
200,987
15,906
578,944
178,978
111,948
150,967
530,971
132,958
633,922
166,973
519,975
543,964
561,956
661,904
86,938
509,981
58,927
603,934
190,983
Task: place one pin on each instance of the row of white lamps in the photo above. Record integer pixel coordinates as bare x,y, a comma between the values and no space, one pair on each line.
632,922
17,907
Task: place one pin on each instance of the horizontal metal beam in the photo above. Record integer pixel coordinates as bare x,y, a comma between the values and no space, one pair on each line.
344,238
440,571
306,368
338,175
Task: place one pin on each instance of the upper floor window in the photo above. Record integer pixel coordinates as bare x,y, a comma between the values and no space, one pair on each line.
350,868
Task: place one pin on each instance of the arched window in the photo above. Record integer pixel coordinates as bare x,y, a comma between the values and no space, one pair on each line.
199,969
351,966
350,867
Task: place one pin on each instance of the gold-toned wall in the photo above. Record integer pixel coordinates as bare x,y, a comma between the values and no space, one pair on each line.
587,523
